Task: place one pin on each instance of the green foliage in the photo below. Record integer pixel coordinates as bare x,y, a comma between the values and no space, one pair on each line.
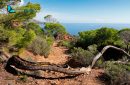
28,37
93,48
67,44
107,36
28,34
84,57
117,73
15,36
35,27
10,37
20,37
40,47
100,63
101,37
23,78
21,16
87,38
50,40
54,28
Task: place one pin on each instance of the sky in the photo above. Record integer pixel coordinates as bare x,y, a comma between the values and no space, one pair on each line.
85,11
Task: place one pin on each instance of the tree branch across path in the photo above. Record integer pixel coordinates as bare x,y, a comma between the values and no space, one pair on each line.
19,63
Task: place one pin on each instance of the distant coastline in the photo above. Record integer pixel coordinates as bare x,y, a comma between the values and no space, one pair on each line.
74,28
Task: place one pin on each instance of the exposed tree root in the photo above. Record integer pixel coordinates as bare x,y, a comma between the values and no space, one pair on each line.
19,63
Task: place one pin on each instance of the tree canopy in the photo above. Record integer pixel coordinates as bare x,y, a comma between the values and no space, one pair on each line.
54,28
17,30
102,37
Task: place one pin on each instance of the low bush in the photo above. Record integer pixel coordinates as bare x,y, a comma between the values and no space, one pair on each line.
84,57
117,73
39,47
50,40
67,44
100,63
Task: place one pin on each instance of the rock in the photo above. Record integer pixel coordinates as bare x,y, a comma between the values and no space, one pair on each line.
86,70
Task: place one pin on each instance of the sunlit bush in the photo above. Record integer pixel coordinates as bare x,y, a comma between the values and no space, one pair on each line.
39,47
84,57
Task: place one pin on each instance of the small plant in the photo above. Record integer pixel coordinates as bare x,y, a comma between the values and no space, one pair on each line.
40,47
23,78
100,63
64,43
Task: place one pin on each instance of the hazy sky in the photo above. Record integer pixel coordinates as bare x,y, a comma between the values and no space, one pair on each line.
86,11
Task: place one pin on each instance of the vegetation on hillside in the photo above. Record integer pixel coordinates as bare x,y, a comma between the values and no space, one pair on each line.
17,31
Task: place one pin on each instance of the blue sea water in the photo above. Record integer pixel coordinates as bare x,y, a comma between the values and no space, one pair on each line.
74,28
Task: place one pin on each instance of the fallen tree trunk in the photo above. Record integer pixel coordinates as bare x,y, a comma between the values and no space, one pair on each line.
104,50
19,63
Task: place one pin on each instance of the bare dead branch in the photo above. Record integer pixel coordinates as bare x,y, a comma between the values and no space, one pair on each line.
104,50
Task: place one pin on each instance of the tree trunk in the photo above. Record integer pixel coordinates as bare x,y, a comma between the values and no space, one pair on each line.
19,63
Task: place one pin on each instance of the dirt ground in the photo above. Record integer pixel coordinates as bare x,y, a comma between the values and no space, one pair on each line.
57,56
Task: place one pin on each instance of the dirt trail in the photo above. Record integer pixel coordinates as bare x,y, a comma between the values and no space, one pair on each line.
57,56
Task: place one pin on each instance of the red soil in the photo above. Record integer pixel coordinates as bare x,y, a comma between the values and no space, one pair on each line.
57,56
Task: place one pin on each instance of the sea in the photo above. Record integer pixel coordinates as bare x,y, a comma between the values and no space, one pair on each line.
75,28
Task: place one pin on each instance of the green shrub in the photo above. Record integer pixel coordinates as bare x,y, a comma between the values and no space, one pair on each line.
86,38
117,73
40,47
64,43
106,36
50,40
100,63
36,28
84,57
